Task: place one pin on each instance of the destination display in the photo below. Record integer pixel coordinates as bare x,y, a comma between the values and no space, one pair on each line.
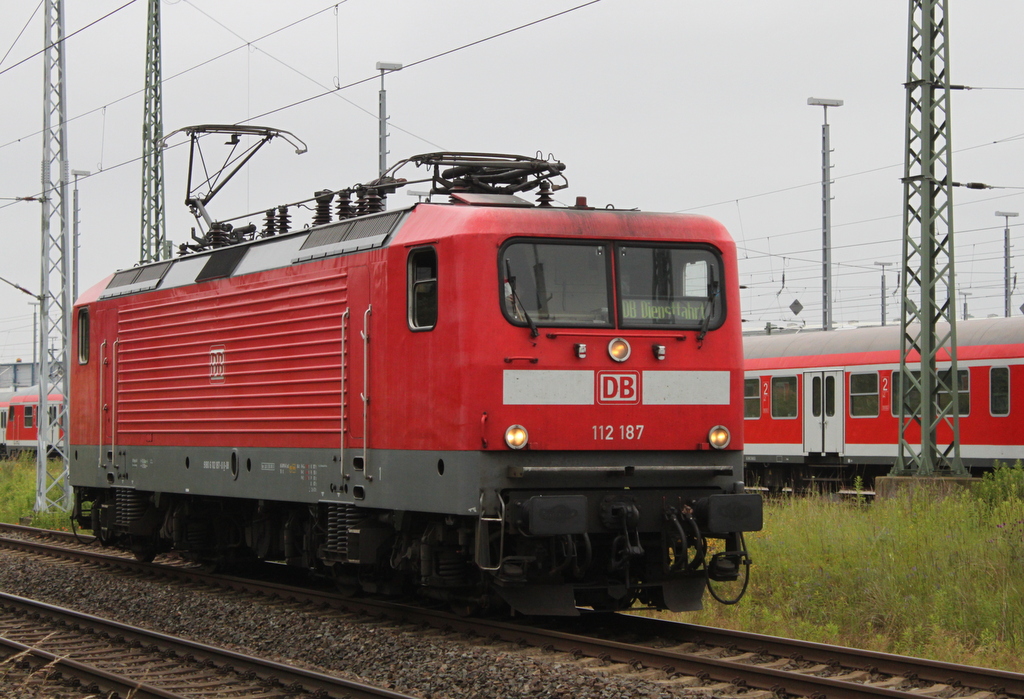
663,310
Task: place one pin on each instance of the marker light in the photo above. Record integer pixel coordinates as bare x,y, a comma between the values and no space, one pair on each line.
618,349
581,350
659,352
516,437
719,437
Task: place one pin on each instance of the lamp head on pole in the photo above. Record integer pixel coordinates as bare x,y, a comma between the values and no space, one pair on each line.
822,102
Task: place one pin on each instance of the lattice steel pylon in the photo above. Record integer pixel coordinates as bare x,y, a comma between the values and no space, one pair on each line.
52,489
154,229
928,399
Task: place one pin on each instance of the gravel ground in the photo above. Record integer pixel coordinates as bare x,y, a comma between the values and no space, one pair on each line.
432,667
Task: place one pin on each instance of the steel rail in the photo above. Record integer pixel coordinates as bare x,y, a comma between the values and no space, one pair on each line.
929,670
87,674
316,683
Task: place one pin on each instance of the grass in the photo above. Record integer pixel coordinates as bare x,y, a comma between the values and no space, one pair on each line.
18,495
918,574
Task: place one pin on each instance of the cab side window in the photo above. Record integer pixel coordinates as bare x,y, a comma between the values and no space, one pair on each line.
423,289
83,335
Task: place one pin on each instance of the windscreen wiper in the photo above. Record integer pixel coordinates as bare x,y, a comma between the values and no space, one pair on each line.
713,291
515,298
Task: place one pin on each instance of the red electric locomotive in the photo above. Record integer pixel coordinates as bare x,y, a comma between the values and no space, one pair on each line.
481,399
820,406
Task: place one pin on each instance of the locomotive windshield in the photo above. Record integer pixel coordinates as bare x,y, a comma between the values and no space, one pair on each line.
556,283
662,286
569,284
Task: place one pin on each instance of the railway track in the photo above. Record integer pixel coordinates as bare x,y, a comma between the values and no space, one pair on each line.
706,660
131,661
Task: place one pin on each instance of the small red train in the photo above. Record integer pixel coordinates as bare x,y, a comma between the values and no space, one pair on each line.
820,405
482,399
20,421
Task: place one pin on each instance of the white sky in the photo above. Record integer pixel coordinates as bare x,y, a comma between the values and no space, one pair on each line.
665,105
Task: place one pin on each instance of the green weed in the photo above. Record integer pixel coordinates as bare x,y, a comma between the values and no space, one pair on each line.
18,495
918,574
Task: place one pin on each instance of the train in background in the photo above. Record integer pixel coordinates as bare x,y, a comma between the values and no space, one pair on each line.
19,420
820,407
484,399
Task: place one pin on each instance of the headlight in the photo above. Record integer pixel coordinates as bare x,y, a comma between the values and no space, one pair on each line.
618,349
516,437
719,437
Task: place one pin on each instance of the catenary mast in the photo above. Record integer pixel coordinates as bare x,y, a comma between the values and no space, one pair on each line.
55,301
928,399
154,230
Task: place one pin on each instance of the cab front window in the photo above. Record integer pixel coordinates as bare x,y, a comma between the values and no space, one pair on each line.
668,287
555,284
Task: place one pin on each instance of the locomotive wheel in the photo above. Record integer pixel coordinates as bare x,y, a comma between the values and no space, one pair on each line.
346,585
464,607
144,552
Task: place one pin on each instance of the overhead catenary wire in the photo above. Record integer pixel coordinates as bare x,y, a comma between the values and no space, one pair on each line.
333,90
66,37
180,73
365,80
425,60
18,38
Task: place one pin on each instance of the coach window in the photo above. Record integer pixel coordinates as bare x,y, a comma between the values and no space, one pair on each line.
999,391
83,335
963,391
752,398
29,410
423,289
864,395
784,396
913,397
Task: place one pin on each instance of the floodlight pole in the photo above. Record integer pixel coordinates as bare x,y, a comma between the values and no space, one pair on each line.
826,212
1006,260
383,116
883,265
74,234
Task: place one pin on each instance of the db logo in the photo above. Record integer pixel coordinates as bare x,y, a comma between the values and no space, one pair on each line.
620,387
217,363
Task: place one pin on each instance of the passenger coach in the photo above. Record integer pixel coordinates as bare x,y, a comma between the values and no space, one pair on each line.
820,406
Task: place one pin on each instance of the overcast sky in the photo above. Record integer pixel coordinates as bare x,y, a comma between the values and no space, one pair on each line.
669,105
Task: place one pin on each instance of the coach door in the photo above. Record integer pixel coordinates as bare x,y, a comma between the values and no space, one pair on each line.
823,412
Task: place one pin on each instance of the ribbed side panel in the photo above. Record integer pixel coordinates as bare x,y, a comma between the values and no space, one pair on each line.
249,357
